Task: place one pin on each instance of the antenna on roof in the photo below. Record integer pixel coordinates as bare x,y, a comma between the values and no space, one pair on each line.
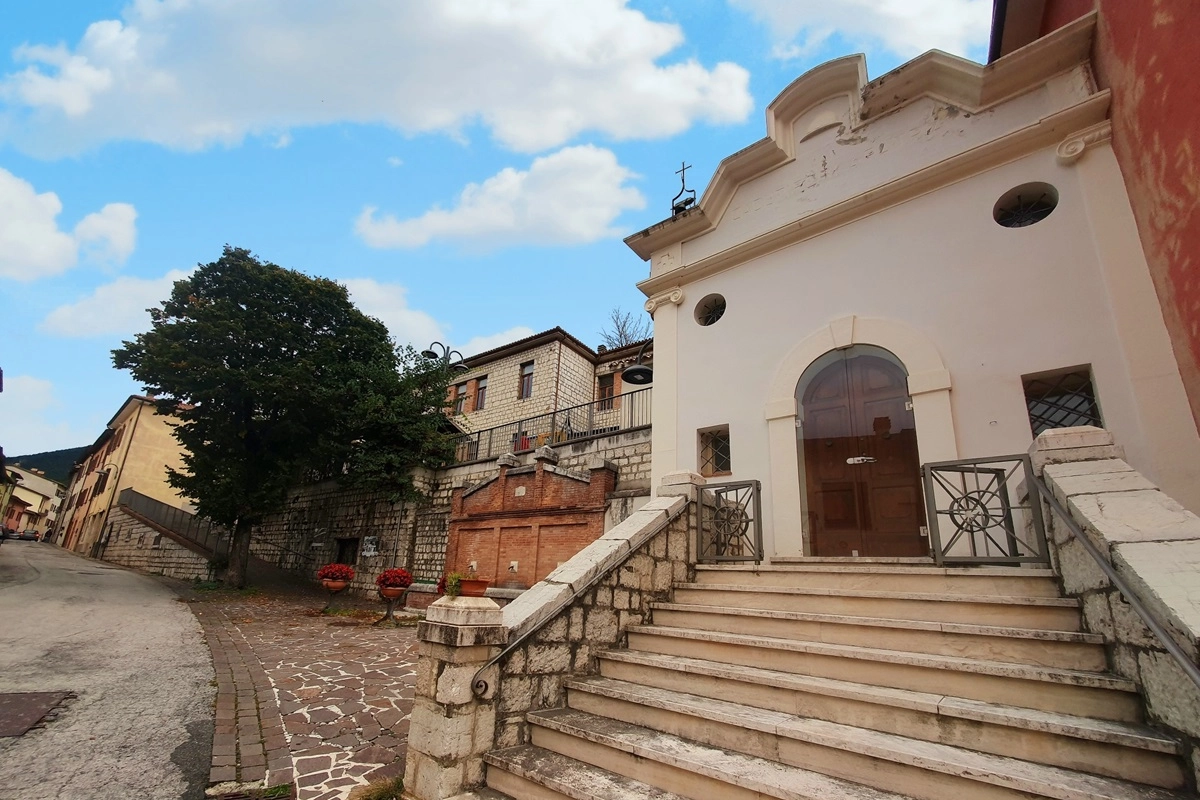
686,197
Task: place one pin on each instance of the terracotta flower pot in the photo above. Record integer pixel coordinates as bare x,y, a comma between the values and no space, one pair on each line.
334,586
392,592
473,587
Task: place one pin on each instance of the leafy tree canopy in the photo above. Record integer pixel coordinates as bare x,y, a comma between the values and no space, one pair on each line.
276,378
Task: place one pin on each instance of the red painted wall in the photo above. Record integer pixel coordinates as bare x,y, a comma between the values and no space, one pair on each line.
1148,53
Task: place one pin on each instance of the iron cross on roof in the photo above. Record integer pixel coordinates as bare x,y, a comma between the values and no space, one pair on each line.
686,197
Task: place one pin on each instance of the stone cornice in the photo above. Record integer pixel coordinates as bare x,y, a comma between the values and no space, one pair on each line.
1088,114
965,84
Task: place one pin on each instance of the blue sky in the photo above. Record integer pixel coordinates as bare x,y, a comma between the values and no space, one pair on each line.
467,168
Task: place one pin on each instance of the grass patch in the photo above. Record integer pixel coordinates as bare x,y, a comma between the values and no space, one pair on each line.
390,789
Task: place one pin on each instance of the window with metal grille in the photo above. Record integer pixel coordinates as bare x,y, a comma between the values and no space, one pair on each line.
605,391
714,452
480,392
525,388
460,397
1062,400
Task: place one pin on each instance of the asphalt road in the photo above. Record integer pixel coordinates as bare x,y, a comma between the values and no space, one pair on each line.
142,724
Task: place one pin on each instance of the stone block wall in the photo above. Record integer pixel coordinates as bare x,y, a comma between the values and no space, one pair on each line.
1153,544
141,546
534,676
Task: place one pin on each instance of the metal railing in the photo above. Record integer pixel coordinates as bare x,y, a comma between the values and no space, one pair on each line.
623,412
1184,660
984,511
208,535
730,522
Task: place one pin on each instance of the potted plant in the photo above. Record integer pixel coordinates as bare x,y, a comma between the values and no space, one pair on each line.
335,577
470,586
393,584
450,584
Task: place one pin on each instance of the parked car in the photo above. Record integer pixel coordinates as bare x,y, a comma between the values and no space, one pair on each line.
29,535
8,533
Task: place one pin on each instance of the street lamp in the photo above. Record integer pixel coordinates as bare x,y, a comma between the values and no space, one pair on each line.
451,359
638,373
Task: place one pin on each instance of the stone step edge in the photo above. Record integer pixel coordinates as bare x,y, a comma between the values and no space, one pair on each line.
1012,773
799,567
481,794
1037,634
1053,602
756,774
1126,734
1001,669
547,768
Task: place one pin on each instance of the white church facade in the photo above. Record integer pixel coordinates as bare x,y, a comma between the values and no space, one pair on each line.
926,267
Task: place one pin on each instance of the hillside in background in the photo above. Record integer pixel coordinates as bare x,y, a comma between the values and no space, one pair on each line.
55,463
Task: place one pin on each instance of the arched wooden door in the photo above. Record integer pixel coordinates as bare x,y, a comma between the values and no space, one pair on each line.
861,469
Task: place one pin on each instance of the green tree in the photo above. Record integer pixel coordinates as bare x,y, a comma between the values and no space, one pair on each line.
277,379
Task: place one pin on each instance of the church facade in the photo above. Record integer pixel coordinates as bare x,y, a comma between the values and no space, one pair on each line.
930,266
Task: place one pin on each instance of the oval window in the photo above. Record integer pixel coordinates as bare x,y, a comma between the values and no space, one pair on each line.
710,309
1025,205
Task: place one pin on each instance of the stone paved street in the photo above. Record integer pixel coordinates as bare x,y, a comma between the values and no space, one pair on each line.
320,700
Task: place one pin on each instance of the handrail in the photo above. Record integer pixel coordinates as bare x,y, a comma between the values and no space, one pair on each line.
1172,647
480,687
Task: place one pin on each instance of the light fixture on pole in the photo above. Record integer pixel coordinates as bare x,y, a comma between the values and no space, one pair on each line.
451,359
638,373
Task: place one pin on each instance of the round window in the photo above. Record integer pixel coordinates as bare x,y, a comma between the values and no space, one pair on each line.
1025,205
710,309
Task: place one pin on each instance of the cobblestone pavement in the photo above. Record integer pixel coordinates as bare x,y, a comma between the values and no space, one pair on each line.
322,701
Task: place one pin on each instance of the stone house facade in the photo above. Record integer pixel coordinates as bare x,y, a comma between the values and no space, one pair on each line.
325,523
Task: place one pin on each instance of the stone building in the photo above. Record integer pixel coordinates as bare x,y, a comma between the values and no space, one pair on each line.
930,266
548,393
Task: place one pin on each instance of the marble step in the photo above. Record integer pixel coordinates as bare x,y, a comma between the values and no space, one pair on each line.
921,769
1066,649
529,772
970,581
690,768
481,794
1042,613
1104,747
1082,693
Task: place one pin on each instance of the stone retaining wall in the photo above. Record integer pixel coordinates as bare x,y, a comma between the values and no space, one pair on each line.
136,544
1153,543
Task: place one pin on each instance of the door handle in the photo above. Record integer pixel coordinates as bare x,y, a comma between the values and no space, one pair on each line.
860,460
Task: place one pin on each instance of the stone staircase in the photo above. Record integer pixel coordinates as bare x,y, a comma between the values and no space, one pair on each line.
828,679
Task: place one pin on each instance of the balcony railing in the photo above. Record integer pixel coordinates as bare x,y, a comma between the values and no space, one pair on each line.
623,412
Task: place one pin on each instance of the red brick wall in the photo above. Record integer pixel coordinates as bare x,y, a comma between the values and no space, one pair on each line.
553,519
1147,54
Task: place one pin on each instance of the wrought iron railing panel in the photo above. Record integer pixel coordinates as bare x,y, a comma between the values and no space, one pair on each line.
984,511
587,421
730,522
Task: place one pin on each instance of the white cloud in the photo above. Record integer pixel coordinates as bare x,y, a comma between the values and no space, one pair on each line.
907,28
481,344
192,73
388,302
395,161
33,246
29,404
572,196
114,308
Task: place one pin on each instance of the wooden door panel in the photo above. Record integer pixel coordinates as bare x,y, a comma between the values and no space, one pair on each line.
857,408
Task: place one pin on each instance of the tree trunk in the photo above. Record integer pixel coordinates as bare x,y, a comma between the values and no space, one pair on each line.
239,555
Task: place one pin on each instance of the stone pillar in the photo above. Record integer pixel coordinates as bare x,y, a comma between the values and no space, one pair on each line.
451,728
